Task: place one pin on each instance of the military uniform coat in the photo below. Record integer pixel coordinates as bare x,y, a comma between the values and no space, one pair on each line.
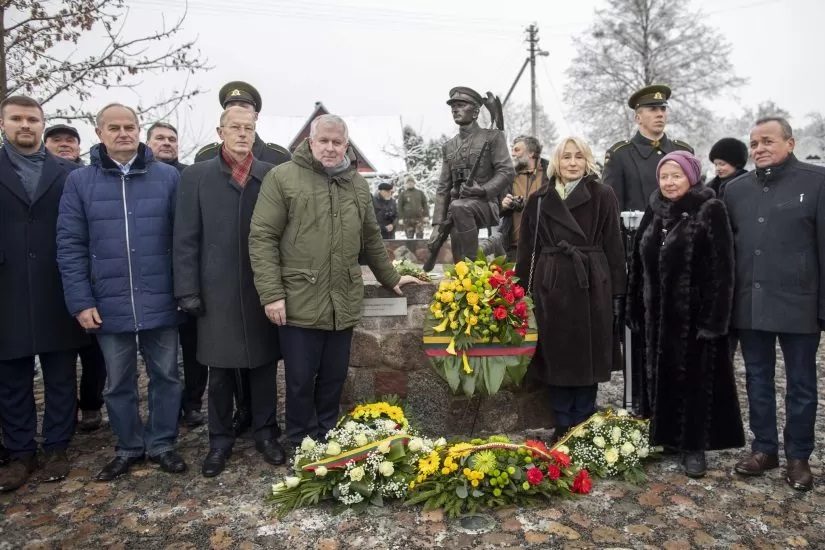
630,168
579,267
211,259
679,300
33,316
495,172
261,150
778,219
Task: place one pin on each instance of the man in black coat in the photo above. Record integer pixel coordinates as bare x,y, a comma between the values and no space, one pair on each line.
162,139
777,213
33,317
386,210
214,282
630,165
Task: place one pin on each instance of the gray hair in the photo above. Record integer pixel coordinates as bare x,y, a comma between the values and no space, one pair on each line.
787,131
532,144
99,117
328,120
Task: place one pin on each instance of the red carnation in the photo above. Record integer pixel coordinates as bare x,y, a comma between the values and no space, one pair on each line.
534,476
537,445
554,472
500,313
582,484
518,291
561,459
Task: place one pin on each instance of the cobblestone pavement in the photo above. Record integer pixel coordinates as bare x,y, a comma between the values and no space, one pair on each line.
152,509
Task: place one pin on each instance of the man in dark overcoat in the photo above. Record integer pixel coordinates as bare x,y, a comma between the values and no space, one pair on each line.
214,282
34,320
778,217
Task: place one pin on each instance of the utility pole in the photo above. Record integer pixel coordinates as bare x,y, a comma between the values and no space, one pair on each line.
533,41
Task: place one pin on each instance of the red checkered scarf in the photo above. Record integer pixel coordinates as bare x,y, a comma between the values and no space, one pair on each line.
240,170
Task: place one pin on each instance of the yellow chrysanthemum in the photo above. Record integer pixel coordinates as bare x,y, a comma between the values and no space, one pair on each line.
429,464
447,297
454,325
461,269
459,450
473,320
443,285
476,309
467,284
472,298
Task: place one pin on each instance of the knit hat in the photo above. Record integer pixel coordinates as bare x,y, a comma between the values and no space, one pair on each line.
731,150
690,165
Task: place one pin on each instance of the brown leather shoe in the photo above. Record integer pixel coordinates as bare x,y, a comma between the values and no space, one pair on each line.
798,474
15,475
756,464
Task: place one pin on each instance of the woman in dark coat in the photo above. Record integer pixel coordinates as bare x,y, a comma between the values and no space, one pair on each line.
729,156
570,239
679,299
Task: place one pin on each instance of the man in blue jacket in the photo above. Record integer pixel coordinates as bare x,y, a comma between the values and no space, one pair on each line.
114,249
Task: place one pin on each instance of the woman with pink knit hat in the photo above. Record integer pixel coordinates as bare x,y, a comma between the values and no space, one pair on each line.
679,300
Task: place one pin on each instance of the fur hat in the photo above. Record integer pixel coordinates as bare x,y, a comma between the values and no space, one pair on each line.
731,150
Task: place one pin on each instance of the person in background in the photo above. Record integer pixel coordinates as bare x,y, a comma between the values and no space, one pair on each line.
679,301
413,209
63,141
729,156
570,255
386,211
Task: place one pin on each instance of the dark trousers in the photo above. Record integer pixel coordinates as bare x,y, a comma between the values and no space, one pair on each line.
572,404
263,405
92,377
242,390
316,363
799,353
18,412
194,373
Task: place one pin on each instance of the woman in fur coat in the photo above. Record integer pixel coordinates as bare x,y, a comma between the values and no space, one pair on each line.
679,299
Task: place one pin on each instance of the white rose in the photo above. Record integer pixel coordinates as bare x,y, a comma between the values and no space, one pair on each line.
384,447
350,426
307,444
321,471
440,442
357,473
635,436
361,440
333,448
292,482
643,451
563,449
622,412
386,468
415,444
598,420
611,455
628,448
581,431
277,487
599,442
615,434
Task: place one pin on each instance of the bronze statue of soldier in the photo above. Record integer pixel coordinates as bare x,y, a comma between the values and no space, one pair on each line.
476,170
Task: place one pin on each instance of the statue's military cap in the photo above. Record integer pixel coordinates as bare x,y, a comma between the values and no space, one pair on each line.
649,96
468,95
240,91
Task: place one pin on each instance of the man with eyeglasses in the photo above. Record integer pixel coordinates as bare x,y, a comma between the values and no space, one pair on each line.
214,283
244,95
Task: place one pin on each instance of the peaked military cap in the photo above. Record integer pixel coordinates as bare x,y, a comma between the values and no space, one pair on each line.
463,93
649,96
240,91
61,129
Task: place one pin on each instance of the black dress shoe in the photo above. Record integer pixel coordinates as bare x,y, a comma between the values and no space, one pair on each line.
4,455
215,462
170,461
695,464
117,467
192,419
272,451
241,422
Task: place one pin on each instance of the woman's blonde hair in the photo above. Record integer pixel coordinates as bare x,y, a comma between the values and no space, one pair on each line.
590,163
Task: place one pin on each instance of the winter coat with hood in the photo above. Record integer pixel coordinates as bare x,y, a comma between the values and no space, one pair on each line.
114,242
679,299
306,234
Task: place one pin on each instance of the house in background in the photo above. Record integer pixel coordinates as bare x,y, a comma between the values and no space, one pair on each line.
378,140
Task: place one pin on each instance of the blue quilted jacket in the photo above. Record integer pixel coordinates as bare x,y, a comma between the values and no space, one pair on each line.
114,242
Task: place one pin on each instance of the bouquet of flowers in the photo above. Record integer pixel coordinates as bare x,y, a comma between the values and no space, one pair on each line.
610,443
479,329
480,474
372,454
406,267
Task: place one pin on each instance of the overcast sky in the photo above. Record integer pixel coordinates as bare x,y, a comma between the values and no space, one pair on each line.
373,57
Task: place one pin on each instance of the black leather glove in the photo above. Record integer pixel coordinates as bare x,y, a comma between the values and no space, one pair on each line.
192,305
618,315
705,334
472,192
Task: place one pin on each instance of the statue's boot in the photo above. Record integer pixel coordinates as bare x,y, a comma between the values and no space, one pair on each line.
464,244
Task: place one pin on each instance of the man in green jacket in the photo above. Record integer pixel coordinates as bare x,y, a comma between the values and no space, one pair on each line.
313,216
413,209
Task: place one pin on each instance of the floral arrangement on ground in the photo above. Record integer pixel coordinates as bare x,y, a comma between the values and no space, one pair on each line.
479,332
406,267
611,443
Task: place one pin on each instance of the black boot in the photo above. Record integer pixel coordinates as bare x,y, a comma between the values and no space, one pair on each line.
695,464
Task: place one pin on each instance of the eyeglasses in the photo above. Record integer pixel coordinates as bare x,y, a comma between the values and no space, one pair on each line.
236,129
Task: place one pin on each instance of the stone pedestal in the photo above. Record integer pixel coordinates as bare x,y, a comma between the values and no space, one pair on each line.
388,358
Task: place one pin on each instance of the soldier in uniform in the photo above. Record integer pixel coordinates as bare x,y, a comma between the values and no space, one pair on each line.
245,95
630,165
474,204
